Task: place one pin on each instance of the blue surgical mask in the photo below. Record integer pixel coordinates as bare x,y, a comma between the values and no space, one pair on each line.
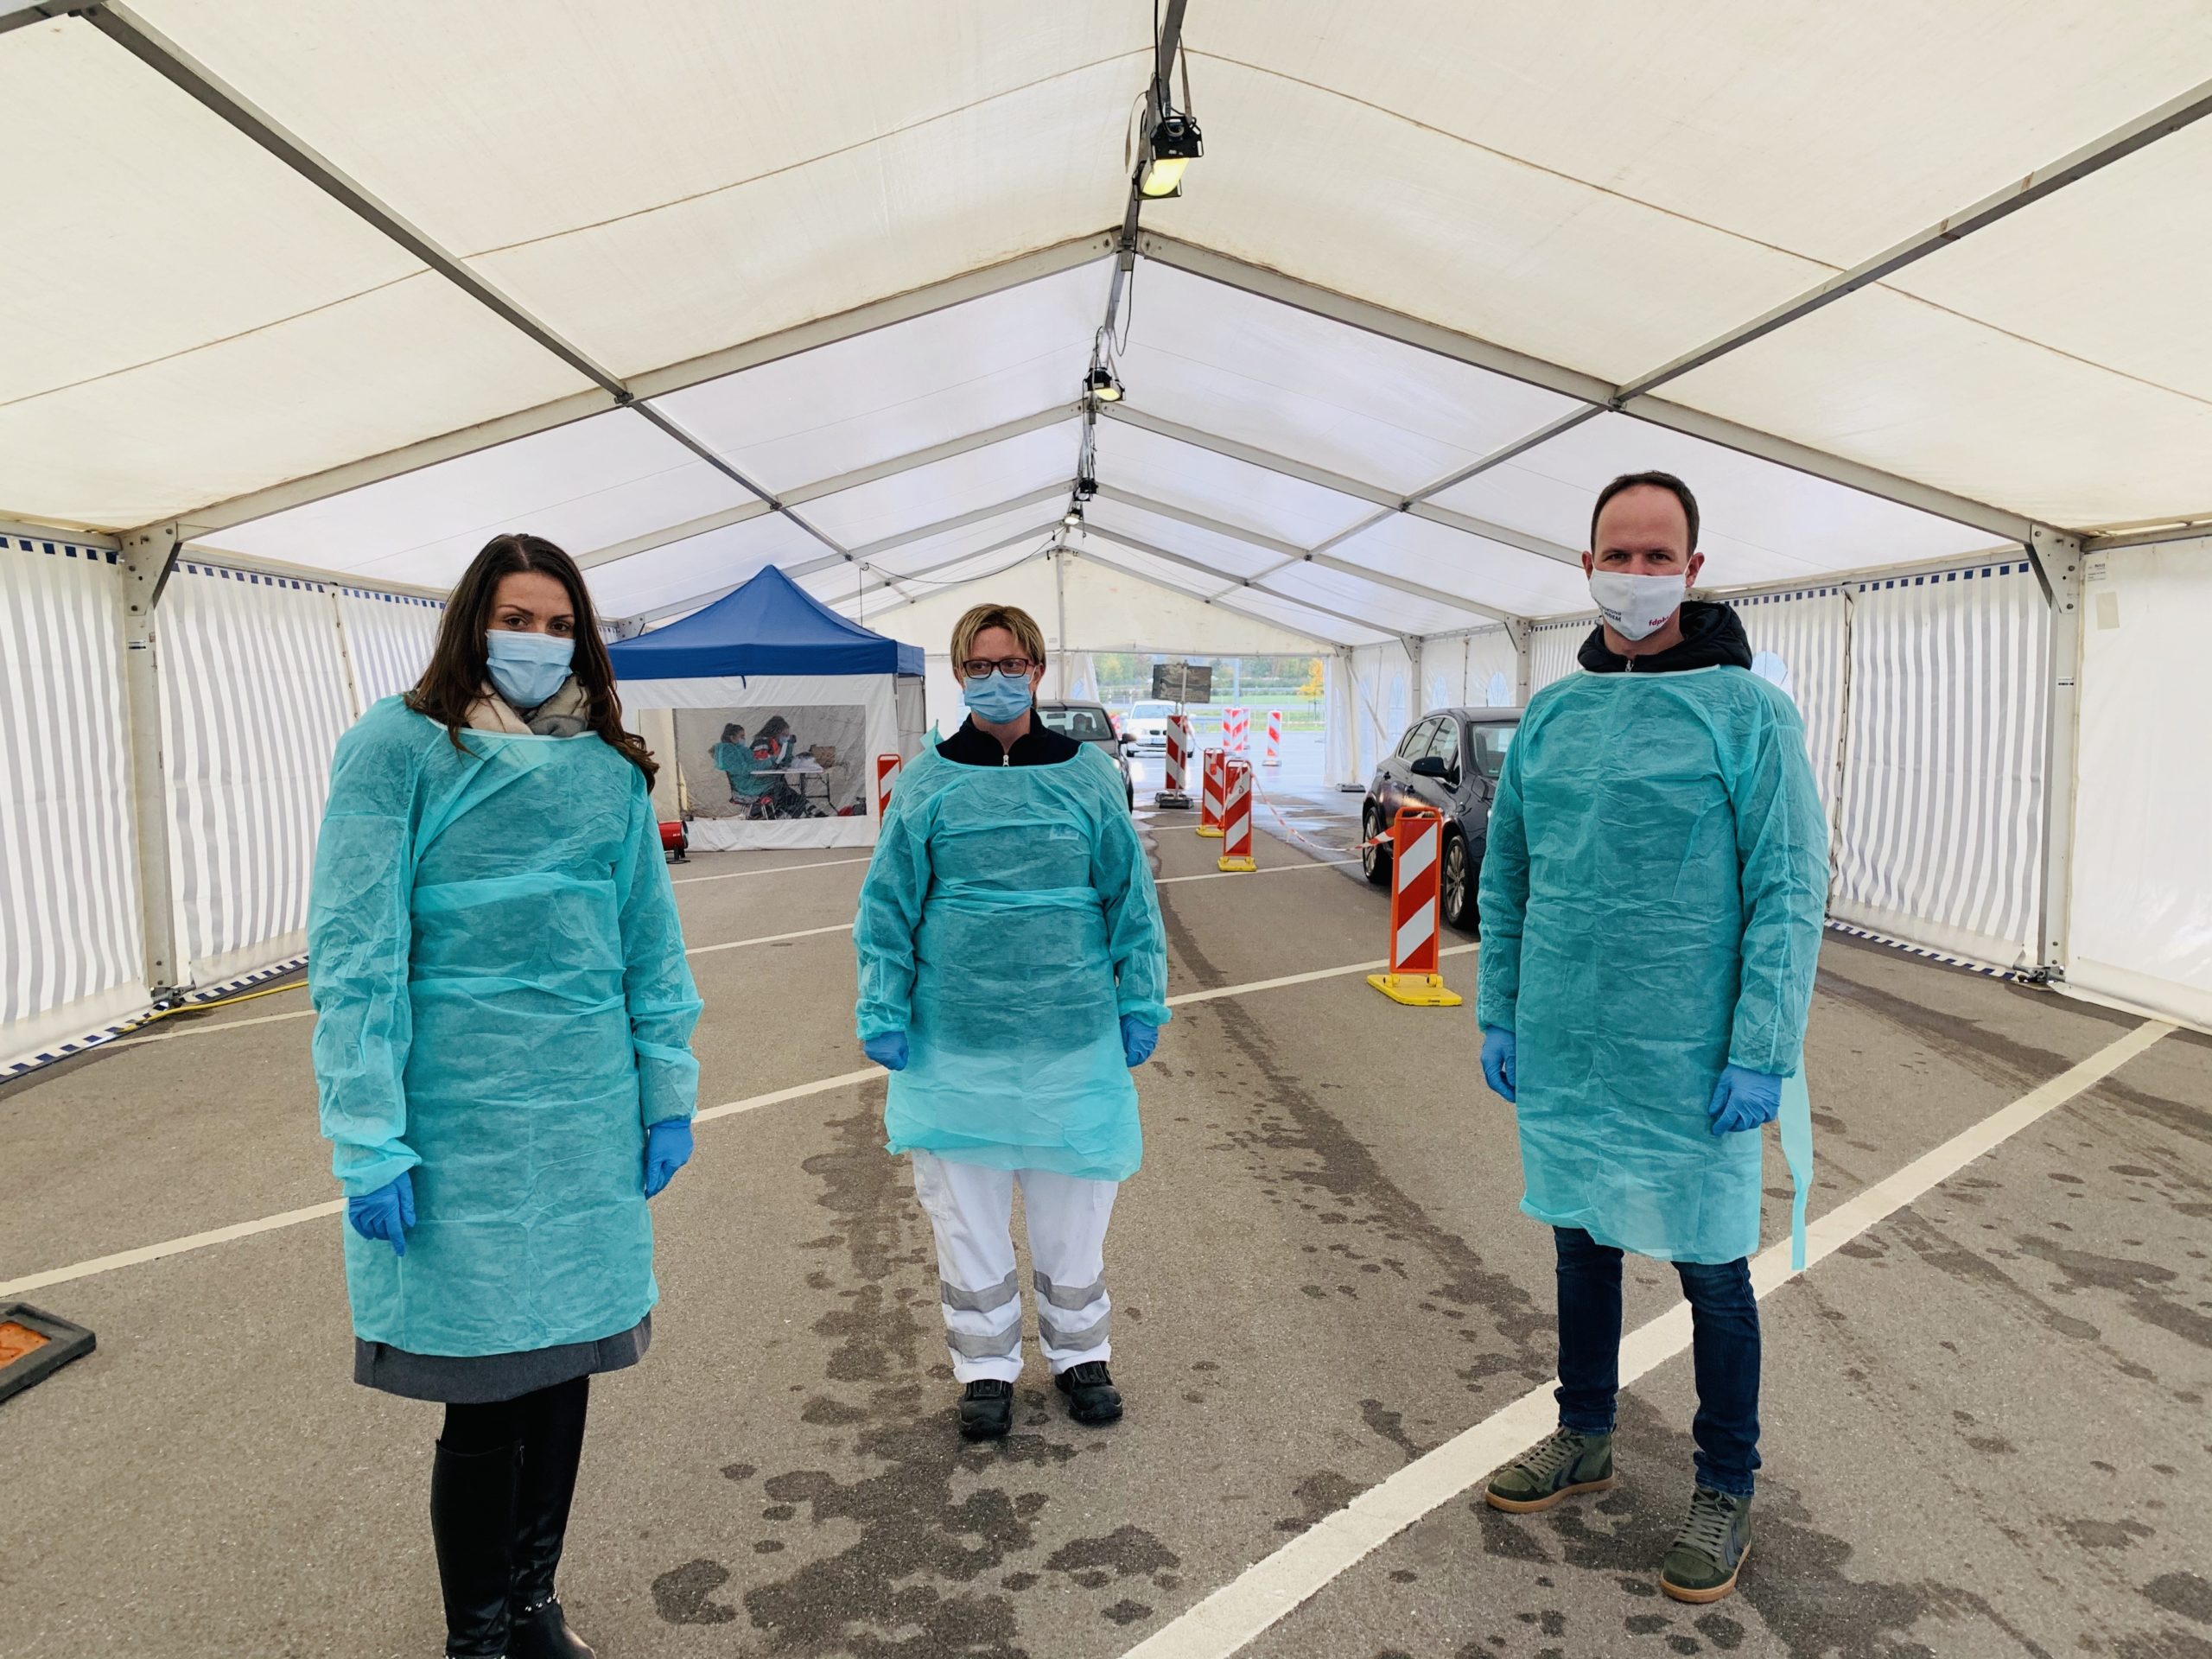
997,699
528,668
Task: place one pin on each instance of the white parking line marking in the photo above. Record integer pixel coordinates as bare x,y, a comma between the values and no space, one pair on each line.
1273,1586
732,1109
773,869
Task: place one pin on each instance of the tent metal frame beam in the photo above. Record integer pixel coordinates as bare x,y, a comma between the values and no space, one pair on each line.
1377,320
1137,545
1290,554
1341,484
2121,142
1223,599
176,65
875,579
22,14
744,511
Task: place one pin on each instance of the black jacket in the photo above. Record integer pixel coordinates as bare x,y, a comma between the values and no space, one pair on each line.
1712,635
1039,747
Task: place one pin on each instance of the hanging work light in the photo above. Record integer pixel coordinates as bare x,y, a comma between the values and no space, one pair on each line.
1174,145
1085,486
1072,518
1100,383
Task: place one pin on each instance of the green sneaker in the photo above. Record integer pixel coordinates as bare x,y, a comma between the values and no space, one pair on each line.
1711,1549
1564,1462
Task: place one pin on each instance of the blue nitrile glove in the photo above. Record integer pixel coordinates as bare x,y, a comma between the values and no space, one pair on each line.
1744,1099
1138,1039
887,1050
1500,1053
386,1213
668,1149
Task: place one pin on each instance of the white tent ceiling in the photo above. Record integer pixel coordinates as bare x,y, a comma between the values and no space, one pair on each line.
353,287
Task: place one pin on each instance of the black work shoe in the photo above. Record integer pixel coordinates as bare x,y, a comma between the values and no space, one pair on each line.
1711,1549
542,1632
986,1409
1092,1397
1563,1462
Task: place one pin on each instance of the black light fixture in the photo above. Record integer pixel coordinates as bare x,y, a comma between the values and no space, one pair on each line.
1100,383
1085,486
1174,145
1072,518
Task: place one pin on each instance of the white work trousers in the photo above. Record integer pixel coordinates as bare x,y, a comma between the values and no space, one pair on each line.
970,1208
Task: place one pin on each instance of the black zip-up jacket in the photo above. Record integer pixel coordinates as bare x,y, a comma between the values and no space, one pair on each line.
1712,635
1040,746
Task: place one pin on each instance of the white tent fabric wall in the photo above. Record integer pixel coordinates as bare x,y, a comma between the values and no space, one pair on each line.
2142,885
388,639
1939,842
1552,648
1807,630
1492,670
71,956
254,699
1382,704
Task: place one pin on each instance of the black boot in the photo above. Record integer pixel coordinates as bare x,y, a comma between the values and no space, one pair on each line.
472,1524
553,1444
986,1409
1092,1397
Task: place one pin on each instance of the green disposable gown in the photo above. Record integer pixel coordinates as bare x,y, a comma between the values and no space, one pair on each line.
502,1007
1652,897
1007,922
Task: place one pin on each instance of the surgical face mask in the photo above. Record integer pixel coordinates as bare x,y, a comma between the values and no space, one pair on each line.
996,699
1636,607
528,668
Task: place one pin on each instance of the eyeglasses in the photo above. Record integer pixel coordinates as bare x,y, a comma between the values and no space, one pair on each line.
1014,667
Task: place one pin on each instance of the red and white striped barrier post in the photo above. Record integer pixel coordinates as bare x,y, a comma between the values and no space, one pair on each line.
1236,730
1236,817
887,768
1272,754
1177,792
1214,789
1416,849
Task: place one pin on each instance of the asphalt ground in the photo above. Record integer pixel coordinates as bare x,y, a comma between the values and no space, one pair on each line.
1985,1431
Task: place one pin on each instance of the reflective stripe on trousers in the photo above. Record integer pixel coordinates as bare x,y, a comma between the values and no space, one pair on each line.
972,1214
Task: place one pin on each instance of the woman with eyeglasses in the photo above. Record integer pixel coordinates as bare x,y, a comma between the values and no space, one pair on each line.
1012,974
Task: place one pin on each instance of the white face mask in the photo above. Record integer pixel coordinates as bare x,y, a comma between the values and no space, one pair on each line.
1636,607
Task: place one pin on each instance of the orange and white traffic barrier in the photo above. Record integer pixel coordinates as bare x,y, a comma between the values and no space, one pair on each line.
1214,792
1236,817
1416,952
1236,730
887,768
1272,754
1177,792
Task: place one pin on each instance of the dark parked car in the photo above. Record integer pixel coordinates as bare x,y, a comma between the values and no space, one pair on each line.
1089,723
1450,760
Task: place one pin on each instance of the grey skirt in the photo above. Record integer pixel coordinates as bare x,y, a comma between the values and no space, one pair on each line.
483,1379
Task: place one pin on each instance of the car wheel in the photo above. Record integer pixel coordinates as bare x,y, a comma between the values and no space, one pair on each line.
1375,861
1456,886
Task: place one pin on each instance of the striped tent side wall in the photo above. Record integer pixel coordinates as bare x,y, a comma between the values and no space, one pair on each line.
1493,669
1939,841
389,637
71,956
1551,649
255,696
1808,630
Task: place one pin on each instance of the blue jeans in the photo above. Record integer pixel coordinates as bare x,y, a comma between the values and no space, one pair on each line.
1724,1346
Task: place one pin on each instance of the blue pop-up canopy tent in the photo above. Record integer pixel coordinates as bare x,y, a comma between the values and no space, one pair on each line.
769,625
778,712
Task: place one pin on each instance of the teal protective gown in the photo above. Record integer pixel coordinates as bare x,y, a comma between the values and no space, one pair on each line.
1008,921
1652,898
502,1007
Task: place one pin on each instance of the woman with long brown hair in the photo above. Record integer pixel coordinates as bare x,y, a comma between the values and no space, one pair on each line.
503,1016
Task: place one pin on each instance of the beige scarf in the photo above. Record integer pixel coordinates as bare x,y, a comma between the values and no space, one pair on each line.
567,713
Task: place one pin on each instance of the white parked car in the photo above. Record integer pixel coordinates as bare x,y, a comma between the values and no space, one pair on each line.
1145,726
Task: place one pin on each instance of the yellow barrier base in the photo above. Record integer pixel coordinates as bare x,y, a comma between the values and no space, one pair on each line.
1208,829
1239,866
1416,990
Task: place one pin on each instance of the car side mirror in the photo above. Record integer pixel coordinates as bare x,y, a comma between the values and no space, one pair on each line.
1431,766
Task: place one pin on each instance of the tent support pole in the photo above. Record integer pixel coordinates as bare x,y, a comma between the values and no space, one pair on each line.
1524,660
2057,561
1060,624
149,556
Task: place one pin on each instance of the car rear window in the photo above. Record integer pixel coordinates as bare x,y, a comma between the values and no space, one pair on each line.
1085,725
